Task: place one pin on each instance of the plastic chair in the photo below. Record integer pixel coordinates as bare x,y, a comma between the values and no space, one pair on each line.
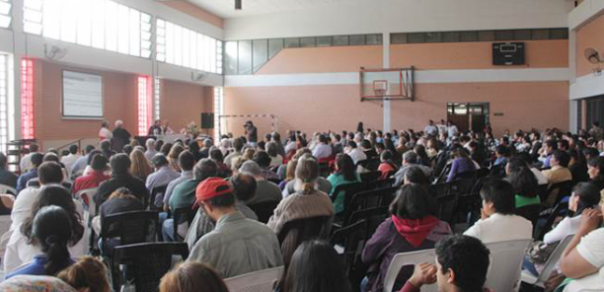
406,259
129,227
367,177
146,262
373,216
259,281
346,189
531,213
297,231
551,215
549,267
349,242
367,199
161,190
560,190
264,210
182,216
86,197
506,264
4,189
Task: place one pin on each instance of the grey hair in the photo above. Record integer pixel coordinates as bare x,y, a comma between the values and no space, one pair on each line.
250,167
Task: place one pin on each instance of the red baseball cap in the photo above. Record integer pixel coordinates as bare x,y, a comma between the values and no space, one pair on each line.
212,187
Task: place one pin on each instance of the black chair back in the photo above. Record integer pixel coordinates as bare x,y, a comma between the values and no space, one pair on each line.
531,213
368,199
373,216
264,210
156,192
351,240
147,263
560,190
462,186
182,216
550,214
129,227
298,231
440,189
367,177
447,205
350,188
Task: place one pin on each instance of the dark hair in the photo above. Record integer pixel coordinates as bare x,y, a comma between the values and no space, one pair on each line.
564,143
589,196
34,148
165,149
226,200
366,144
272,149
416,175
55,195
238,144
89,148
502,150
346,167
50,172
552,143
158,145
244,186
522,178
52,229
73,149
128,149
413,201
562,157
205,168
591,152
386,156
120,163
3,160
186,160
597,162
262,158
99,162
352,144
92,154
159,160
105,144
37,159
192,277
467,257
194,147
216,155
315,266
501,194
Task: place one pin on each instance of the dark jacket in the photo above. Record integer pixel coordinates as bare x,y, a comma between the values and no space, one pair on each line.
135,185
119,205
8,178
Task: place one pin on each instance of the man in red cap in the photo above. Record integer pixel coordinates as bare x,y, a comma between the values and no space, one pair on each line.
237,245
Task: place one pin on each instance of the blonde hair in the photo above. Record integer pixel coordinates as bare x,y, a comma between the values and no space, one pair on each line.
87,273
122,193
140,166
173,156
307,172
237,162
290,173
248,153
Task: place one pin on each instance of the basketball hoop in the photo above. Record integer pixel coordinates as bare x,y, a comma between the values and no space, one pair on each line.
380,87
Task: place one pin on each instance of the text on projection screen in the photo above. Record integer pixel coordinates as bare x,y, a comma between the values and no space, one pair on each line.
82,95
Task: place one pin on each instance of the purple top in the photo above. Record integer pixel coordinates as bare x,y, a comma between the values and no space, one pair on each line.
460,165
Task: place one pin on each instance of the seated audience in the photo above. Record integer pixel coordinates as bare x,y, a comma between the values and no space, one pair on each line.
410,159
416,175
595,170
238,147
7,177
585,196
51,231
315,266
387,165
272,149
237,245
462,264
150,145
162,176
524,183
222,169
322,149
186,161
583,258
367,148
140,167
35,284
266,191
96,176
547,151
35,160
25,164
173,156
70,159
106,148
263,160
577,166
121,177
87,275
498,222
321,183
461,164
290,173
558,173
345,173
244,187
120,201
183,195
355,153
412,226
80,164
192,277
205,150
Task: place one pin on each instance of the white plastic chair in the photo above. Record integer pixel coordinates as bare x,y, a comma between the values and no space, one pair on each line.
549,267
259,281
86,197
506,264
406,259
4,189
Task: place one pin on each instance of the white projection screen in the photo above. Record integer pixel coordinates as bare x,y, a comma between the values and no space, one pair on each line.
82,95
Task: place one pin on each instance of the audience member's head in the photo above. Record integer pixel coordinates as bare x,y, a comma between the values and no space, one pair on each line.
386,156
595,168
205,168
150,144
123,193
3,161
165,149
238,144
345,167
290,170
37,159
120,164
216,155
410,157
215,196
73,149
262,158
186,161
315,266
140,166
414,202
307,173
105,145
498,197
584,196
252,168
88,149
87,274
415,175
244,186
33,148
272,149
50,173
175,151
522,178
560,158
99,162
52,231
462,264
192,277
159,160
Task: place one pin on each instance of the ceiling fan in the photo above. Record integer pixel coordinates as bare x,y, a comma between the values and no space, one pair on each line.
593,56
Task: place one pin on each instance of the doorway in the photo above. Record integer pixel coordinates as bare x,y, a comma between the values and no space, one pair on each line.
468,116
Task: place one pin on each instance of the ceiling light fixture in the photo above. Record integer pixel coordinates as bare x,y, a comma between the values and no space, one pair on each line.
238,4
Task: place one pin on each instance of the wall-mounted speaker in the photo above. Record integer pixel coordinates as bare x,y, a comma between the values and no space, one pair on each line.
207,120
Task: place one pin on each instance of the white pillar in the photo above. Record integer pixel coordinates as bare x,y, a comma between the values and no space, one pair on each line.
19,51
386,64
572,66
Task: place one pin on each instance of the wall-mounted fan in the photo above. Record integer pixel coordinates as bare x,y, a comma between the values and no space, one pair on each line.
593,56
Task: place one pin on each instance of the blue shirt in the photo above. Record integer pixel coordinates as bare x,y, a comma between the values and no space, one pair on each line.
24,178
36,268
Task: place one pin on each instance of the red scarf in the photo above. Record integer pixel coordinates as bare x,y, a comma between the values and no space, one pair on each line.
414,231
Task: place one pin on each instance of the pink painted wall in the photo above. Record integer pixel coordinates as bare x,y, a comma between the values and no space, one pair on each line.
183,102
195,11
589,36
477,55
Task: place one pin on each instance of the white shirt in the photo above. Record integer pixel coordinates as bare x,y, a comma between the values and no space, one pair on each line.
592,250
321,151
568,226
25,164
69,160
104,133
499,228
357,155
541,179
23,206
276,161
431,130
452,131
441,128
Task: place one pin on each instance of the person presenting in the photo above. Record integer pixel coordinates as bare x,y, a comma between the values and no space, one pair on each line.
251,131
156,129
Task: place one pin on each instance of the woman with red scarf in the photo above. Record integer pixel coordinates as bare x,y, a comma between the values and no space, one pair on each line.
411,227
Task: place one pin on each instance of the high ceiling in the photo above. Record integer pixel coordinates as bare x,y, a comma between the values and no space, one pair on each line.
226,8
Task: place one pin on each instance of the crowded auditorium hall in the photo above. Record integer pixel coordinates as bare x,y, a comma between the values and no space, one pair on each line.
301,146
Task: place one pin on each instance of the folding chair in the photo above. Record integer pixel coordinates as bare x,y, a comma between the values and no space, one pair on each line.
549,267
406,259
506,264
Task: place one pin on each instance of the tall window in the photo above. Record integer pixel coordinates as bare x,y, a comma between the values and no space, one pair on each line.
183,47
144,104
27,99
156,97
4,82
218,111
5,17
101,24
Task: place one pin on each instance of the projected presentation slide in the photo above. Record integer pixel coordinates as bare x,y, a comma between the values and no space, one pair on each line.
82,95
